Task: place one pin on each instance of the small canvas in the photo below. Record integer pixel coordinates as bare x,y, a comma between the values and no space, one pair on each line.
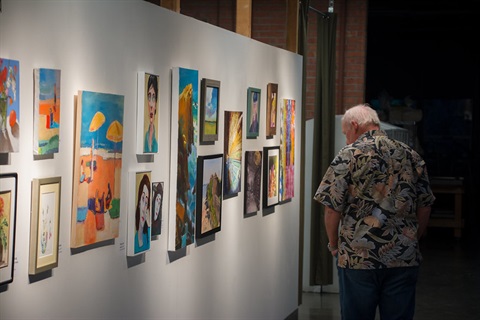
147,113
157,205
272,100
9,105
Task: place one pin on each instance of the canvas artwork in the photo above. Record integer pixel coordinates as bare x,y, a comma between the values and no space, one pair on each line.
8,208
147,113
253,112
209,197
97,168
253,179
272,97
271,165
139,217
287,150
157,204
46,123
9,105
232,181
183,161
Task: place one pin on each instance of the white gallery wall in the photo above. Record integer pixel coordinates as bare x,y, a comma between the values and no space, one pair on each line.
248,270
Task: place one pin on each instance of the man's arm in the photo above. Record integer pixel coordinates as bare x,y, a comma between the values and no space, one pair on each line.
332,220
423,216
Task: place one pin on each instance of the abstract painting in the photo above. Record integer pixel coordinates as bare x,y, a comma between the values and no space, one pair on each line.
232,180
9,105
271,162
183,178
209,196
272,97
8,209
46,123
287,150
210,102
157,203
253,112
147,113
253,179
97,168
140,216
44,224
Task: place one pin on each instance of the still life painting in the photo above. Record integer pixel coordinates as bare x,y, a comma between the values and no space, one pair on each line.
8,210
9,105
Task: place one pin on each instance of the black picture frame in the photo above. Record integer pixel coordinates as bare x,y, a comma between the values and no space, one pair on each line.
271,175
209,111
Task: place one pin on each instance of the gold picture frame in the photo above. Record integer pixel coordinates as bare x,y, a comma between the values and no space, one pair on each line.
44,224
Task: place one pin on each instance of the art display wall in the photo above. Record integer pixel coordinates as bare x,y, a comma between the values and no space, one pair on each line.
149,166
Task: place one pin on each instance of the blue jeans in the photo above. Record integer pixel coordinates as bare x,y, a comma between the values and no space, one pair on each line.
392,290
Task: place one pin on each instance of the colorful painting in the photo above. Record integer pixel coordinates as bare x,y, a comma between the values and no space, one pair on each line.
232,180
271,165
209,197
184,158
253,112
209,111
287,150
157,203
8,209
140,216
147,113
253,179
272,97
97,168
9,105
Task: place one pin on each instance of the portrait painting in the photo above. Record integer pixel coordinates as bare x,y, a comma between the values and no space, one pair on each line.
98,149
147,113
140,217
157,204
9,105
46,123
232,181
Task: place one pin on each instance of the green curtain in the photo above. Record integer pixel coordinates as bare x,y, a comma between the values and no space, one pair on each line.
323,144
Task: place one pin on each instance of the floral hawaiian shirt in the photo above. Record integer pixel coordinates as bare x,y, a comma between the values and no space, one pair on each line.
377,183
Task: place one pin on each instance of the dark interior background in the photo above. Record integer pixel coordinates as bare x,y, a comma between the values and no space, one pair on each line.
423,75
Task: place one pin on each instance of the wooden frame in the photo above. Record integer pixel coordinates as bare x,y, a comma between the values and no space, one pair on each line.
146,143
253,182
44,224
8,215
271,166
209,195
253,112
209,112
271,109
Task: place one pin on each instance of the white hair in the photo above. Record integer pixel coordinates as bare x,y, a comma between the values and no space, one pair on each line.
363,114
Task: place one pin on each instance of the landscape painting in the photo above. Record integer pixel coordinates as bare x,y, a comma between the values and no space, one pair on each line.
287,150
232,181
97,168
46,124
9,105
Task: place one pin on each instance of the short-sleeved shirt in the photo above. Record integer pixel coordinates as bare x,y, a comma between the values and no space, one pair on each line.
377,184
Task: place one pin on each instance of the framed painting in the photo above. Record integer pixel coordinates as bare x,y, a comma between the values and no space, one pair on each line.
183,161
287,150
232,181
271,163
272,95
97,168
9,105
253,179
139,217
46,123
8,215
157,203
253,112
147,113
209,195
44,224
209,111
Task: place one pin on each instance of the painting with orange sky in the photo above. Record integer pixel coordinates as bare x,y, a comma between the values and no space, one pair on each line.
97,168
47,111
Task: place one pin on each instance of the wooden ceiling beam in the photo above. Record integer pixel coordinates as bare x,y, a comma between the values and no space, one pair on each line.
243,21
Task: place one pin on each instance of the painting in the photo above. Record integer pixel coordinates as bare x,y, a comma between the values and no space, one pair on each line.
8,211
46,123
147,113
253,179
209,195
97,168
232,180
9,105
287,150
271,164
271,123
44,224
209,107
253,112
157,204
183,171
139,216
